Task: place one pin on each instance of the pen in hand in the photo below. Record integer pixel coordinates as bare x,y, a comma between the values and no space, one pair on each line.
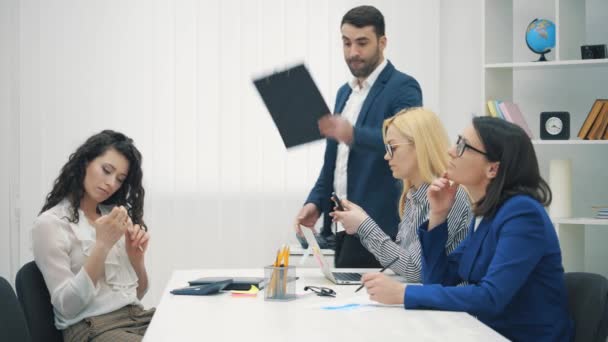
382,270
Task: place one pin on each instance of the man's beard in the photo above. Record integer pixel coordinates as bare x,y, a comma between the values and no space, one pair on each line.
367,68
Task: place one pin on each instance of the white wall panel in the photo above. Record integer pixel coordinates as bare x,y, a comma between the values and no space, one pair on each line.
9,153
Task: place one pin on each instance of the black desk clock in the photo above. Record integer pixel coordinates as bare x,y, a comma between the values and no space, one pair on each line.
555,125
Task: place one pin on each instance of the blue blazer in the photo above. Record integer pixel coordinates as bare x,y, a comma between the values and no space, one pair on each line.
370,182
513,266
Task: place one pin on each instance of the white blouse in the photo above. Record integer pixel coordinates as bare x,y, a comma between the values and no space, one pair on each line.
351,111
60,251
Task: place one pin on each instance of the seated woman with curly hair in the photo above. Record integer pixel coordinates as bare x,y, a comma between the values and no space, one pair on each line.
90,239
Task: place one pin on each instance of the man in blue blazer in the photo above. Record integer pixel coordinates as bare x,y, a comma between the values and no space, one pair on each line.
354,164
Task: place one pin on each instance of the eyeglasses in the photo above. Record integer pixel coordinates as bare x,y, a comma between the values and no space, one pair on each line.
391,147
321,291
462,145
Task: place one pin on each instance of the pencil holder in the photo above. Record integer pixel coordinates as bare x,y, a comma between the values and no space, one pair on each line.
280,283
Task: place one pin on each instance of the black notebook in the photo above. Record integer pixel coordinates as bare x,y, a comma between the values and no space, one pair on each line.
237,284
295,104
203,290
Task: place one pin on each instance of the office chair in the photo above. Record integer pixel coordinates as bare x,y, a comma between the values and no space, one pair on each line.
12,320
588,305
36,301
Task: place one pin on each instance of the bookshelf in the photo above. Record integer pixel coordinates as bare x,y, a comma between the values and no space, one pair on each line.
588,221
570,142
564,83
548,64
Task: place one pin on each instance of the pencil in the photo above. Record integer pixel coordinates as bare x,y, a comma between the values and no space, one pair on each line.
382,270
286,269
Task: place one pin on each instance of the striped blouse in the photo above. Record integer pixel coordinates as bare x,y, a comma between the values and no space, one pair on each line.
407,245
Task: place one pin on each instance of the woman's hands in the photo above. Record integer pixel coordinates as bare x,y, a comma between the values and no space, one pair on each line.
136,242
441,195
111,227
383,289
351,218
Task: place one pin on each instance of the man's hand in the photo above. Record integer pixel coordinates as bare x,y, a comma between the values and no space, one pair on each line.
308,216
336,127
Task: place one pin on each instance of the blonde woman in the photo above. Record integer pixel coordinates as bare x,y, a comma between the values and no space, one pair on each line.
415,142
511,260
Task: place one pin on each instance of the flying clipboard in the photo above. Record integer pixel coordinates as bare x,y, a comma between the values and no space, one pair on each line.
295,104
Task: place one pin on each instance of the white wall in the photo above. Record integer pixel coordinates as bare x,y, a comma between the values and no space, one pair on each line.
9,152
460,71
596,28
221,190
5,34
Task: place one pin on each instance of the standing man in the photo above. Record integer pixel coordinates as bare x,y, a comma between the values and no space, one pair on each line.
354,165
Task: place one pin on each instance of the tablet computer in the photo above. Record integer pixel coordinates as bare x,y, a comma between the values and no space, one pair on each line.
202,290
238,283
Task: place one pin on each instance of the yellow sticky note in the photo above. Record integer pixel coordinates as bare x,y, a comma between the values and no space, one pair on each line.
253,291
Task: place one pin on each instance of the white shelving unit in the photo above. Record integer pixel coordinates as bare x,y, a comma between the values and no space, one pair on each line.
548,64
571,232
564,83
588,221
570,142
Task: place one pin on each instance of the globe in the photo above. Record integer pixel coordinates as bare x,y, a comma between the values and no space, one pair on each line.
540,37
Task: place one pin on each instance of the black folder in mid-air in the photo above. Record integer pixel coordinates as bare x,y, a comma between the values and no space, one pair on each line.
295,104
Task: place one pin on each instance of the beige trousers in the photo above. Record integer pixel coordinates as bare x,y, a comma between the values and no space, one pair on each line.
126,324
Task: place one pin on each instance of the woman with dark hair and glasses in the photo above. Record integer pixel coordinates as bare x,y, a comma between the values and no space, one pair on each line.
415,142
90,239
511,258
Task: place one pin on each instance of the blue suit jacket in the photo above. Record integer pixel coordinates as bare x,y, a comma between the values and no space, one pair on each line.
370,183
513,265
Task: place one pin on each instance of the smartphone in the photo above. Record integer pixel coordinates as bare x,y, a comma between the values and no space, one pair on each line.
337,201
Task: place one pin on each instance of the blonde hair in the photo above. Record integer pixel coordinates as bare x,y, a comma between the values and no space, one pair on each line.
425,130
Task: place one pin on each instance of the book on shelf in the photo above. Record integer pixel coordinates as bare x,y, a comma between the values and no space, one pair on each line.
512,111
505,112
600,124
492,109
509,111
601,212
499,112
495,109
604,126
593,120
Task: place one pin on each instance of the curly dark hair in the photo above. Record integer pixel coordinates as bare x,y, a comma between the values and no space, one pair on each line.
70,183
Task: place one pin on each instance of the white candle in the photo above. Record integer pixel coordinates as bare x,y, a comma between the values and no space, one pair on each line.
560,181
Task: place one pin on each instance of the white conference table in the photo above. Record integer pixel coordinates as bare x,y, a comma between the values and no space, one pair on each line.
223,317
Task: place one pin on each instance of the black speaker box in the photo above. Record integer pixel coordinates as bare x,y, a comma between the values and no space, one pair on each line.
593,51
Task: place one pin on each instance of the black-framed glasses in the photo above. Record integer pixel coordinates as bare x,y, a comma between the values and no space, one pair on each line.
391,147
462,145
321,291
